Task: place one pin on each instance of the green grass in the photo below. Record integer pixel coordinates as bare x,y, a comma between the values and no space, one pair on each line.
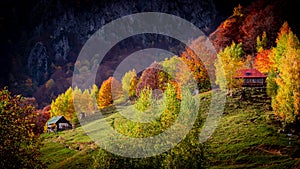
68,149
246,137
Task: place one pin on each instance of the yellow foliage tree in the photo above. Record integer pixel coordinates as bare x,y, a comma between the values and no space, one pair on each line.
126,82
229,60
284,78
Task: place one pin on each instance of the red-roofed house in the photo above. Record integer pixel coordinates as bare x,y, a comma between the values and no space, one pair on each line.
252,77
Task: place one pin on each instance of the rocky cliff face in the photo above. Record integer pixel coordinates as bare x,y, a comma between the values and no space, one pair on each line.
52,33
60,29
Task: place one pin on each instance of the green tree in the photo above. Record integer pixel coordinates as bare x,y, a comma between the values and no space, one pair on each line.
172,106
229,60
144,100
271,84
94,92
19,147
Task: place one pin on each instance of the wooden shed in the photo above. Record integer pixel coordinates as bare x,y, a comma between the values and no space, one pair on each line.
58,123
252,78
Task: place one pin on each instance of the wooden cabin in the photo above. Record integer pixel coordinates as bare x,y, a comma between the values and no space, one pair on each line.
58,123
252,78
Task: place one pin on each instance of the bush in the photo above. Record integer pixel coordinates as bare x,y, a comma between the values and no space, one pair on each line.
19,147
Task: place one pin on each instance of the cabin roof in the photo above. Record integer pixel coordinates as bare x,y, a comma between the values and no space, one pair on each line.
55,119
249,73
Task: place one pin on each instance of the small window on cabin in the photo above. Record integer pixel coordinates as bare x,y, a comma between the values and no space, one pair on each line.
248,73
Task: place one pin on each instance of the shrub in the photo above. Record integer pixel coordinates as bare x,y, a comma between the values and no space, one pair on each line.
18,144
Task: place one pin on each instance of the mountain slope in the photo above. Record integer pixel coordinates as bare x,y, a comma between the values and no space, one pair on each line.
246,137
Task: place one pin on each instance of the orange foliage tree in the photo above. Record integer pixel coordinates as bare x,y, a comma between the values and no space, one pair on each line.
110,90
197,68
262,61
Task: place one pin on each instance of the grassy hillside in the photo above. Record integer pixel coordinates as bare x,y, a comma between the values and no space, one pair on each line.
246,137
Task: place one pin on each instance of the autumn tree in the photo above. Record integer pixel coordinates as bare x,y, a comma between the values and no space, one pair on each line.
275,57
262,61
229,60
63,105
154,77
255,19
132,88
110,90
18,144
86,101
197,68
179,72
261,42
286,99
126,83
286,104
44,117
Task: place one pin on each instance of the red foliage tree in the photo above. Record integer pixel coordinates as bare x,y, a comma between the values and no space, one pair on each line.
39,118
153,77
42,118
258,17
